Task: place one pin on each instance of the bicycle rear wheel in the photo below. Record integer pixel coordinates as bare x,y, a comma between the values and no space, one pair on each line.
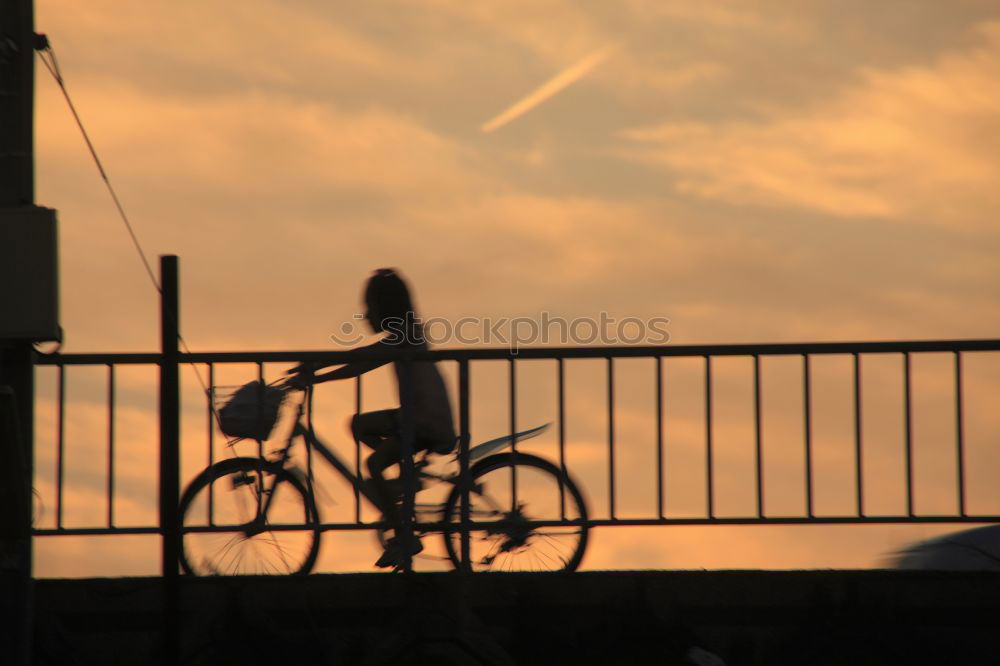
504,534
248,516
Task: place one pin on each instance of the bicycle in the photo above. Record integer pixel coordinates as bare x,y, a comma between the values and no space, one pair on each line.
254,515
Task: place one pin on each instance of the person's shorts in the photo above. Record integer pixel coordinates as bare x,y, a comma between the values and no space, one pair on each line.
387,423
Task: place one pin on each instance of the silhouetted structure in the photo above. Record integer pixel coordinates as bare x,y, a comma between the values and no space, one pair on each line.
22,225
746,618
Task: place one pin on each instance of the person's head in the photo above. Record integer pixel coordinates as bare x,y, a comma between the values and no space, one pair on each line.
387,298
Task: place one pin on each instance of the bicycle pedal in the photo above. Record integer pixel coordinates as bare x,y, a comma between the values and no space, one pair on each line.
395,552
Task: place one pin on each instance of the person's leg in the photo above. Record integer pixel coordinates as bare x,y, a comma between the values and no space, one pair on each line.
370,427
380,431
387,453
374,429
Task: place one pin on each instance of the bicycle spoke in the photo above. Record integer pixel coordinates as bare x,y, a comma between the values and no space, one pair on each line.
542,554
559,547
227,549
277,547
237,558
222,551
494,552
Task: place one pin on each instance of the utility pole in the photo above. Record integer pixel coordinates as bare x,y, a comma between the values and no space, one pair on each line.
17,89
28,314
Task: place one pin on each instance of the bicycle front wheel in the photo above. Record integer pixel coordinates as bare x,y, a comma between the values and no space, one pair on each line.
248,516
525,514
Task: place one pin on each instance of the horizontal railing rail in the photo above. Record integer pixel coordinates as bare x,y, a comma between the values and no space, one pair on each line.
538,353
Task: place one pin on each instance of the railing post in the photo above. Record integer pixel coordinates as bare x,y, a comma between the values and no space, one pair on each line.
17,195
406,467
357,452
463,457
959,435
512,398
170,455
16,605
611,438
709,476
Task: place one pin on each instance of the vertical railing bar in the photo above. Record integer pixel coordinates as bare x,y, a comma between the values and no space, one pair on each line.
260,443
169,457
908,430
211,439
709,480
807,423
307,440
111,445
512,389
562,435
357,451
60,434
404,531
463,457
611,438
959,434
659,437
260,405
758,453
858,459
312,434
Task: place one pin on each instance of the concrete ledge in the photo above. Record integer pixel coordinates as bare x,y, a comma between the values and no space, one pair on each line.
746,617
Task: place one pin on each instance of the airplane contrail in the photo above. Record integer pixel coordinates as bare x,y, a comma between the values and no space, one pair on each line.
556,84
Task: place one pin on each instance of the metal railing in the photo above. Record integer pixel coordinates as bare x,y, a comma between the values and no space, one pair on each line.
855,354
467,359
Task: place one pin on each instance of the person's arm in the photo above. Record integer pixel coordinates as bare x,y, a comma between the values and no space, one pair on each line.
348,370
352,369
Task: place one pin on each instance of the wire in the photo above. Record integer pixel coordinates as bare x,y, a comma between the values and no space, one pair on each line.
48,57
52,64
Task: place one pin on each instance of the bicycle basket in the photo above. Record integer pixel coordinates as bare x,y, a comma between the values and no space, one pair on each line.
250,412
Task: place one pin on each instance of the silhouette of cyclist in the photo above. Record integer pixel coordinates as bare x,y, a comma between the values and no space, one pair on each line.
389,309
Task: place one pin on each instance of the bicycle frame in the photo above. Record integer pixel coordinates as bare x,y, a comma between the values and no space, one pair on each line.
314,443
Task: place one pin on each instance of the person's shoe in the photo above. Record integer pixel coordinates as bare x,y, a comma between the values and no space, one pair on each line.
395,552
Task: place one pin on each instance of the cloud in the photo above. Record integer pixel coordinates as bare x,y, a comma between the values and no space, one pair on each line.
723,16
250,142
911,143
215,50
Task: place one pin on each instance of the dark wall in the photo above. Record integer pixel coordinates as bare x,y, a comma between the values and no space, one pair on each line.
828,617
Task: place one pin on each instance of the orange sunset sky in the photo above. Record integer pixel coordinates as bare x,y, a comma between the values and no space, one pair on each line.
775,171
